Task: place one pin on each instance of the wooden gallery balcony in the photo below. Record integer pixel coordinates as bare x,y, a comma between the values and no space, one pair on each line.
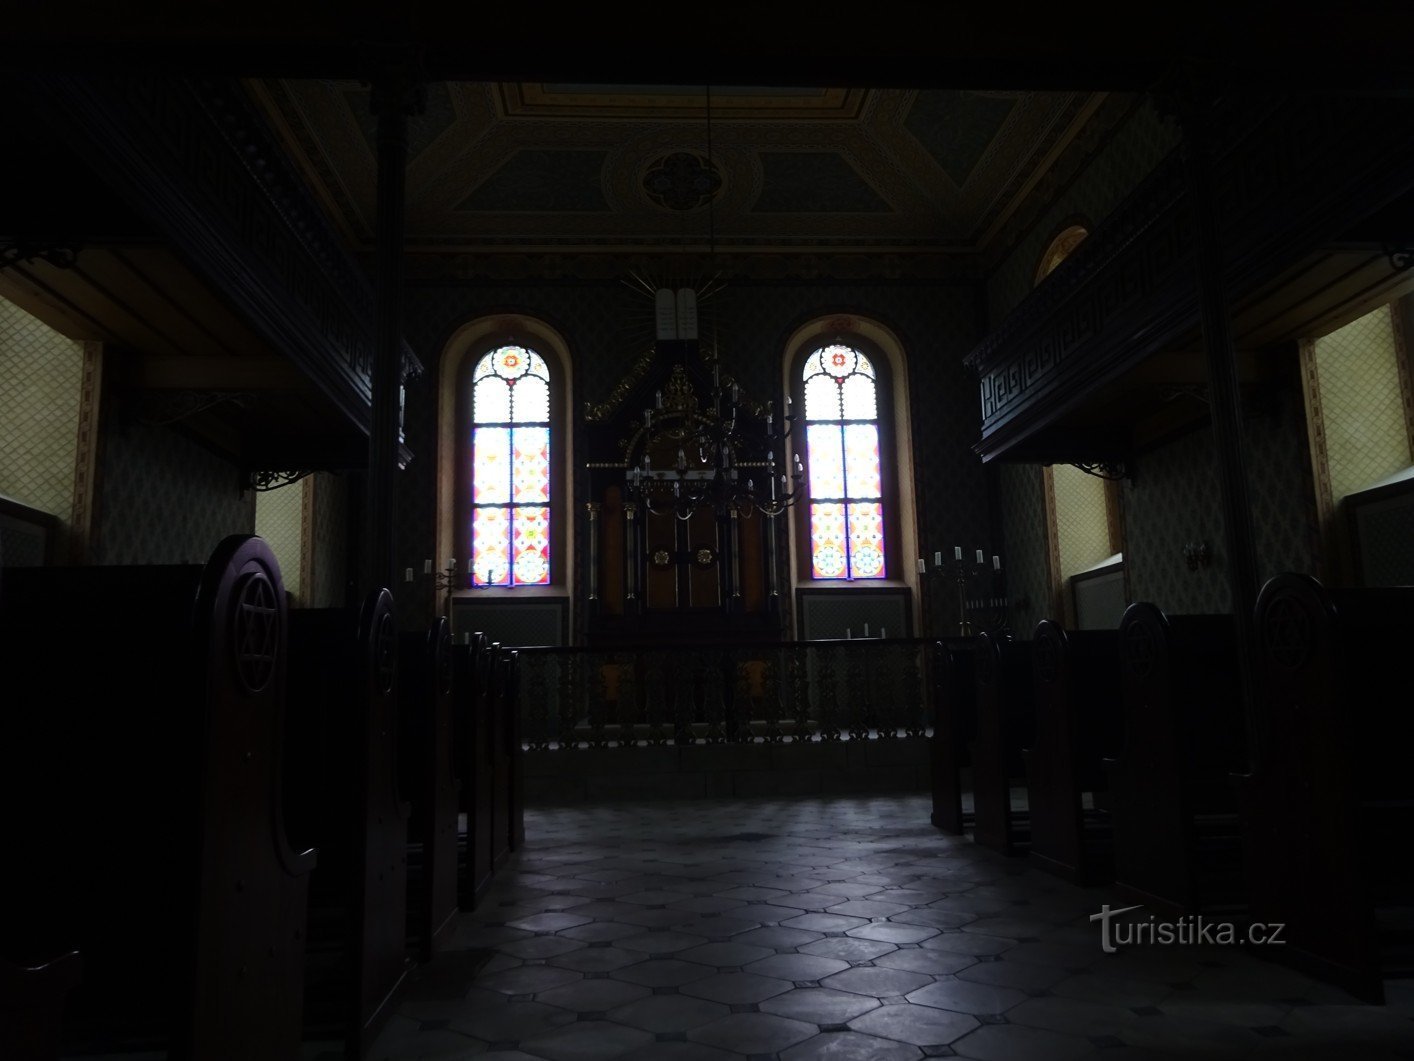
1105,357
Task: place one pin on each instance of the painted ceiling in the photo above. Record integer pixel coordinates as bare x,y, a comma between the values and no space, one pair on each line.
537,166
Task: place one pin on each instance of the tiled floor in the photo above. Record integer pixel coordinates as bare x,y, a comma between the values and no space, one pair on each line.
837,929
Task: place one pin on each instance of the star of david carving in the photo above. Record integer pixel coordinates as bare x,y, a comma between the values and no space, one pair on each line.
256,635
1047,659
384,660
1139,651
1287,633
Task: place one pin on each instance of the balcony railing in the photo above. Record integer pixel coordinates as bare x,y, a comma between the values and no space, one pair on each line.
797,691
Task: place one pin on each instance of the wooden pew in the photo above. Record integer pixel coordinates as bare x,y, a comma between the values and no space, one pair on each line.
472,727
1328,809
954,729
143,817
1005,724
1076,676
31,1004
425,687
515,794
344,700
1173,806
499,725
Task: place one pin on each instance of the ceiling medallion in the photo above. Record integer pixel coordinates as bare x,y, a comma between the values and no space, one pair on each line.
682,181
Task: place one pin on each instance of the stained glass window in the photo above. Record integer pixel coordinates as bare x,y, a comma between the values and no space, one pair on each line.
510,469
842,447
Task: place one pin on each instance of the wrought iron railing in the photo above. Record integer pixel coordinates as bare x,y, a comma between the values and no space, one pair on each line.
734,693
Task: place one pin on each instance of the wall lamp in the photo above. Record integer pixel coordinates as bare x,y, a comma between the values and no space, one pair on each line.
1196,555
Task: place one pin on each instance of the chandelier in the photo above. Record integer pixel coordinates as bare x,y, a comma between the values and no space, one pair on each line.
715,455
692,455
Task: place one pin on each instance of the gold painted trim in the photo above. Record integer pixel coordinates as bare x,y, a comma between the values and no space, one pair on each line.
602,411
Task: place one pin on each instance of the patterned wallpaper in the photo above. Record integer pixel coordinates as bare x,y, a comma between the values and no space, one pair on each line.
40,376
163,499
1131,152
608,326
1024,529
329,550
1082,522
1174,499
1361,404
279,519
1280,483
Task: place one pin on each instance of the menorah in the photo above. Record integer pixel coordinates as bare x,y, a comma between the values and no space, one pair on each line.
989,609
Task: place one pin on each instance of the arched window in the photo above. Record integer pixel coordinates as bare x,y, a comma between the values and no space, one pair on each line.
1060,248
504,450
510,468
842,455
854,533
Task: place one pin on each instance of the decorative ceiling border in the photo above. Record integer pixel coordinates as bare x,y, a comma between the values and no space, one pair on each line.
804,266
656,102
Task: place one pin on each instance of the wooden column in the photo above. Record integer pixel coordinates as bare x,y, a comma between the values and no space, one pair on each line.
396,94
1193,108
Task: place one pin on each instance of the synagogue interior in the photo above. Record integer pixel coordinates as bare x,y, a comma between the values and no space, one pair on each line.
519,541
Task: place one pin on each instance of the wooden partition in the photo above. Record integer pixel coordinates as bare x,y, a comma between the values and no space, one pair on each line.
954,729
1173,806
1076,676
471,724
344,702
1328,808
1005,724
143,817
428,776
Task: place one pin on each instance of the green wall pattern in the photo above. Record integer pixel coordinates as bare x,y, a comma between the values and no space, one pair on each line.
163,499
1174,499
41,373
1024,532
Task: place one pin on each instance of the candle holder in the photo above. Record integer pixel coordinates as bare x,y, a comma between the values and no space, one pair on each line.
985,611
446,580
443,581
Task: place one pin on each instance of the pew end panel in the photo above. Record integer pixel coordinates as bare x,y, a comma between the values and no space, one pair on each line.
428,764
32,1003
1330,798
344,664
499,734
475,765
1077,693
1177,842
177,795
954,730
1005,724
